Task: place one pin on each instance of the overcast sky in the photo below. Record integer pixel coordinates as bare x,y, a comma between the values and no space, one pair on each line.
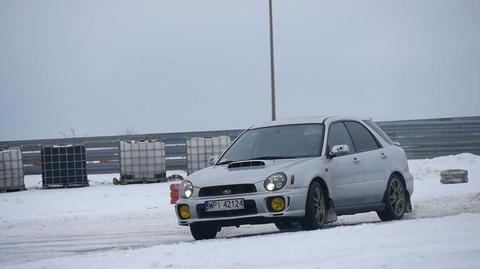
101,67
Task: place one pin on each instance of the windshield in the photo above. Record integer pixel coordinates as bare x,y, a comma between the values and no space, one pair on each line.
277,142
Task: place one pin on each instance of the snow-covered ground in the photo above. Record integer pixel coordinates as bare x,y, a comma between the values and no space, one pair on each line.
134,226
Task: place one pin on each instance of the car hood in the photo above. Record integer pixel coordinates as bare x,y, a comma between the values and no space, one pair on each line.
222,175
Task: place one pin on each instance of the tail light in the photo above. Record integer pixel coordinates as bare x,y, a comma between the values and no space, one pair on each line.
174,195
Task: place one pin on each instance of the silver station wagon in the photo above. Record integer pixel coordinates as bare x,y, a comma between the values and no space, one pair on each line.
298,174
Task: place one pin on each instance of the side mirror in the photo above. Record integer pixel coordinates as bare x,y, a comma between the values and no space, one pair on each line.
213,160
339,150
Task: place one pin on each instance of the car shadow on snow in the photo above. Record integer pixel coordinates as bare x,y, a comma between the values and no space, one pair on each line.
334,225
344,221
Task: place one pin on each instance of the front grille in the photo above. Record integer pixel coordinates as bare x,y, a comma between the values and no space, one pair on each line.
227,190
249,209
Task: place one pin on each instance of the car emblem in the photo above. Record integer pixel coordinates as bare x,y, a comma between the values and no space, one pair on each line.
227,191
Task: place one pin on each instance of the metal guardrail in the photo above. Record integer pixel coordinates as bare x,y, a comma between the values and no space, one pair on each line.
420,138
103,151
435,137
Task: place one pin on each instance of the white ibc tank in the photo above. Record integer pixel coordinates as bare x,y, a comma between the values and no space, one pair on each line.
200,149
142,161
11,170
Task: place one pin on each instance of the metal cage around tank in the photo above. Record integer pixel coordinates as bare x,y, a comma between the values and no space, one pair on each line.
11,170
64,166
142,161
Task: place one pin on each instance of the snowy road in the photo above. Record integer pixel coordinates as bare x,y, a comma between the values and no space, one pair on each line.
133,226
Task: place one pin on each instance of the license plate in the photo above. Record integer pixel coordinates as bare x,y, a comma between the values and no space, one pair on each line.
221,205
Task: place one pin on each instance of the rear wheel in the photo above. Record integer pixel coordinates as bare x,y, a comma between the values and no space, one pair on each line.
395,200
284,225
203,231
315,208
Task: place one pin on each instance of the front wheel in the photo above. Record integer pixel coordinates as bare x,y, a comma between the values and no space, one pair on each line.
395,200
315,208
203,231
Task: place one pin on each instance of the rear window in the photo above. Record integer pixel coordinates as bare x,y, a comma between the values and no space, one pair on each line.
363,140
379,131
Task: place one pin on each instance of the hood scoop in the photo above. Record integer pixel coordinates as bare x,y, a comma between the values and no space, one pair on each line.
246,164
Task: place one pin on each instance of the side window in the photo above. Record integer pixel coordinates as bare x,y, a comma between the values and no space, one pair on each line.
362,138
338,135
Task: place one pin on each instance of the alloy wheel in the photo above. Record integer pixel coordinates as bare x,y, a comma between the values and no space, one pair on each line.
319,205
397,197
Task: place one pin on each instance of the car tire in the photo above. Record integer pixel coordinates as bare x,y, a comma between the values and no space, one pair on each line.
285,225
203,231
395,200
315,208
453,176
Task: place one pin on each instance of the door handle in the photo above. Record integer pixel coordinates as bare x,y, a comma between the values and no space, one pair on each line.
383,155
356,160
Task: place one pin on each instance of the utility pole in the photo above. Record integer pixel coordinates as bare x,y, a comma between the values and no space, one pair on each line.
272,62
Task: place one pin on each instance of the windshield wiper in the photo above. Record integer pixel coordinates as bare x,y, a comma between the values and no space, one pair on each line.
259,158
224,162
272,157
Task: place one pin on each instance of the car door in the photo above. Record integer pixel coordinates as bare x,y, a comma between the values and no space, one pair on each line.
345,171
369,154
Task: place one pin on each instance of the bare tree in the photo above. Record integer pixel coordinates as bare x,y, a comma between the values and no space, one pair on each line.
130,131
71,135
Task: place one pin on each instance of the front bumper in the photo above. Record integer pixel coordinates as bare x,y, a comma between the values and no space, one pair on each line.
256,207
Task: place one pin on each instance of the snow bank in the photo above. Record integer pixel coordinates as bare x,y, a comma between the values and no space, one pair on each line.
427,175
101,197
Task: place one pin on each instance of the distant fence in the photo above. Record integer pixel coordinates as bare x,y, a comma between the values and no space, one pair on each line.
420,139
103,152
435,137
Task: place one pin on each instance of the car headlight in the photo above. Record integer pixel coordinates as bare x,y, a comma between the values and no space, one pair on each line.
275,182
186,189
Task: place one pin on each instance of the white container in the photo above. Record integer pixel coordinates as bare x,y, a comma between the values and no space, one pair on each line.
142,161
200,149
11,170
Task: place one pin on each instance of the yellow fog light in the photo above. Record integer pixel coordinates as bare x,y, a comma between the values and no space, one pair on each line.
184,212
277,204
